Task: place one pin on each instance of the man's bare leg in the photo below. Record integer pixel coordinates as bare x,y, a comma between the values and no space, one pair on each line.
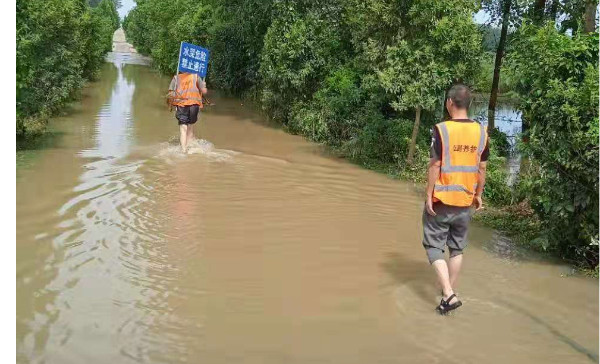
441,270
190,134
183,137
454,265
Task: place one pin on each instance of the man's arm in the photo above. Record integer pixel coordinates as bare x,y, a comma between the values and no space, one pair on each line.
481,175
173,84
171,92
202,87
480,185
433,173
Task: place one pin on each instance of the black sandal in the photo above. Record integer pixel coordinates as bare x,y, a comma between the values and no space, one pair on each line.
445,305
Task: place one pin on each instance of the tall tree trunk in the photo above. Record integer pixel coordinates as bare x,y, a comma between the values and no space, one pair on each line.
538,11
590,16
413,139
553,10
498,64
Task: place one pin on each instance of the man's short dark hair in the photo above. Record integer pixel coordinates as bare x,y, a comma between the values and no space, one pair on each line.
460,95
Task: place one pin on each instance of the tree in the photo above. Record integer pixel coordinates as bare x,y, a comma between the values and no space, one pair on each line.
94,3
417,79
60,45
539,8
442,45
553,10
505,5
236,42
590,16
302,46
558,95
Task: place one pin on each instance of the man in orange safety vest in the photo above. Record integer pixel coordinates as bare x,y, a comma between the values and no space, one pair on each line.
185,93
455,182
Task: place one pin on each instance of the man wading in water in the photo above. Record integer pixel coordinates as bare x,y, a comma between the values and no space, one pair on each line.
185,93
455,181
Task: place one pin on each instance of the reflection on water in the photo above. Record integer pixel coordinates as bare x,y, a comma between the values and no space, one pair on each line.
507,118
508,121
255,248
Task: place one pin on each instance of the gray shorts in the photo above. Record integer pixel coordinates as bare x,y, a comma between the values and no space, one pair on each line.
448,228
187,115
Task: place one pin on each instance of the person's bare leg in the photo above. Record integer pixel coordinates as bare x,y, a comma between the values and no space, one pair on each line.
454,265
441,270
190,134
183,137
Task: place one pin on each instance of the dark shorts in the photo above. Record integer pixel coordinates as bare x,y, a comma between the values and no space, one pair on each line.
187,115
448,228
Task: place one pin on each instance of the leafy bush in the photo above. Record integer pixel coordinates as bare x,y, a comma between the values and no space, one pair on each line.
60,44
236,42
334,113
558,92
301,47
497,191
484,78
381,139
499,143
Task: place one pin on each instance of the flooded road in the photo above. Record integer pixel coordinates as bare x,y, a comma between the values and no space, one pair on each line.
256,248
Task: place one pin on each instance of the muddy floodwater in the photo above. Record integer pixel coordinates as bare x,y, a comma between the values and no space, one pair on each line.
258,247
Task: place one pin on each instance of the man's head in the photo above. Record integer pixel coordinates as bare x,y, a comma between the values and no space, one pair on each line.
458,99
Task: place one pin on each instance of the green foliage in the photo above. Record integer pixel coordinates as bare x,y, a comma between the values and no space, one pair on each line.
237,42
446,47
382,139
233,30
301,47
334,113
483,79
60,44
491,38
558,92
98,32
497,191
94,3
515,220
499,143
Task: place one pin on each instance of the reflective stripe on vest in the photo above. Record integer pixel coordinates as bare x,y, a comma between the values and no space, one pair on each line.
447,188
187,92
462,147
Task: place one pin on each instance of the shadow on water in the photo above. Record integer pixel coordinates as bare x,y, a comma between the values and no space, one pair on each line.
38,142
560,336
86,100
416,275
29,147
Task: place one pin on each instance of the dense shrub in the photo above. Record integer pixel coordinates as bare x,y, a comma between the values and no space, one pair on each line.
497,191
334,114
499,143
302,47
558,92
381,139
60,44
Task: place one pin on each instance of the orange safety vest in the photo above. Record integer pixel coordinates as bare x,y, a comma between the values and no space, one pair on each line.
186,92
462,146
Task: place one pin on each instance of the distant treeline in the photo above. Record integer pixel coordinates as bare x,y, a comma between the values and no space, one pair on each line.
60,45
362,75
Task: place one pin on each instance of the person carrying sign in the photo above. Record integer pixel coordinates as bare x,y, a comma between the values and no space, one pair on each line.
185,93
455,181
